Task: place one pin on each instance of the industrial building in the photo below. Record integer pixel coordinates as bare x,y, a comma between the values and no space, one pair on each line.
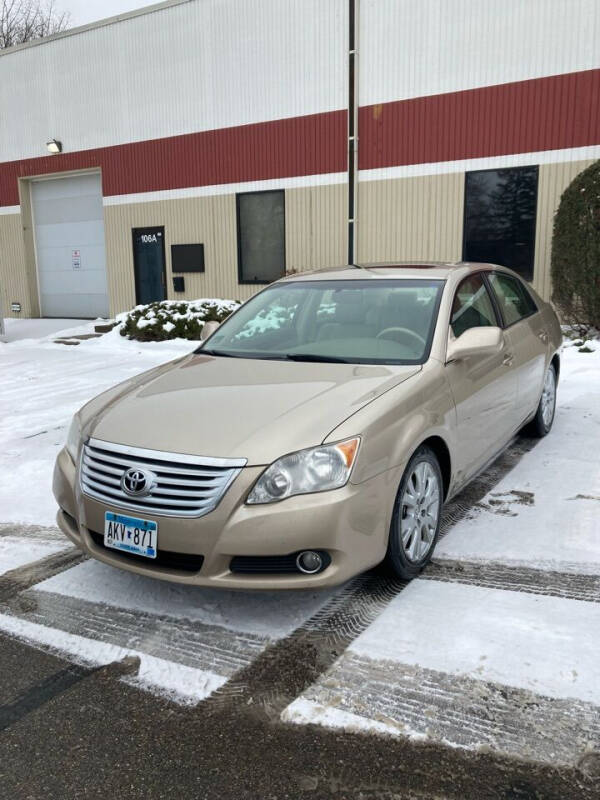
203,148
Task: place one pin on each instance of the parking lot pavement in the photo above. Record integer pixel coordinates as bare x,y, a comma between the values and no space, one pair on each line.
479,679
496,645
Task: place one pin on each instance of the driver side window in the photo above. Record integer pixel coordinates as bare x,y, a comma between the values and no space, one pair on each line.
472,307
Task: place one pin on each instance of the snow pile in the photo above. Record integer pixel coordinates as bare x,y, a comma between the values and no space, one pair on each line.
173,319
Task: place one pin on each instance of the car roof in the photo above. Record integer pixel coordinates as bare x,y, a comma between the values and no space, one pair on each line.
393,269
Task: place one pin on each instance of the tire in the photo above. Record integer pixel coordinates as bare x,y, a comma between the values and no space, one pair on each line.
541,424
408,552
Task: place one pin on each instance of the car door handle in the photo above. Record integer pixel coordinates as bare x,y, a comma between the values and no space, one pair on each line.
543,335
508,359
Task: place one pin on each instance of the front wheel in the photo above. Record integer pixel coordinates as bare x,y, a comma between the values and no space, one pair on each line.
544,416
417,514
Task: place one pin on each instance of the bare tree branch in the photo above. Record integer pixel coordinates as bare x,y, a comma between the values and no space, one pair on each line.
24,20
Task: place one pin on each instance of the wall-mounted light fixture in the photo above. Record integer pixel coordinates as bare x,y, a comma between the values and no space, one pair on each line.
54,146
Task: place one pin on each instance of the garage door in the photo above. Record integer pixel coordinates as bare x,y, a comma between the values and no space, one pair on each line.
69,239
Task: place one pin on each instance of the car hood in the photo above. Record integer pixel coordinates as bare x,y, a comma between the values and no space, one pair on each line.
237,408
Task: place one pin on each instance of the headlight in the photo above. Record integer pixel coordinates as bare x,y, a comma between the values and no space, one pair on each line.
73,438
316,470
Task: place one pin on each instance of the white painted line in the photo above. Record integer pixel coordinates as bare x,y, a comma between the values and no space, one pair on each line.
297,182
272,615
545,644
489,162
178,682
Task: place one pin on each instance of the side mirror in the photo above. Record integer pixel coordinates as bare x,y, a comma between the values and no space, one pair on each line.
475,342
208,329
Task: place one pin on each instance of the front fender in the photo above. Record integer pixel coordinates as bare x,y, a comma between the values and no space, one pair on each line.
394,425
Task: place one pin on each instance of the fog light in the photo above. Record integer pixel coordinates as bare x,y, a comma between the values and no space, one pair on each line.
309,562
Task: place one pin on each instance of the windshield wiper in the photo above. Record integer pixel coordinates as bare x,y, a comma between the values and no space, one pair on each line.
315,357
207,351
251,355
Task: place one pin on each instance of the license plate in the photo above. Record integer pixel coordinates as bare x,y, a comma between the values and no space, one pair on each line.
130,534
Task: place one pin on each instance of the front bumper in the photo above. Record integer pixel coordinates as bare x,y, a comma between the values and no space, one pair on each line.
351,524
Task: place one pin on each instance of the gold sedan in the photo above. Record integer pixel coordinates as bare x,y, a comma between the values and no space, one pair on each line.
316,432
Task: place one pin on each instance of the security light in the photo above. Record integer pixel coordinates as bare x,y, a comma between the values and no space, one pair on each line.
54,146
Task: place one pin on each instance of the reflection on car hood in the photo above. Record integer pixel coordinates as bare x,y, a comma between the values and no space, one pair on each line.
240,408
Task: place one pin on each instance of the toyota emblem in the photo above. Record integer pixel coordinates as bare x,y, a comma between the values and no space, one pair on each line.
137,482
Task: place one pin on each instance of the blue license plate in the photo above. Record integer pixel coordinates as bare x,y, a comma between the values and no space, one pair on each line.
130,534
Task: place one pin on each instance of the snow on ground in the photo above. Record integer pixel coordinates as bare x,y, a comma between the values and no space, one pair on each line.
43,385
269,614
16,552
506,668
183,684
556,523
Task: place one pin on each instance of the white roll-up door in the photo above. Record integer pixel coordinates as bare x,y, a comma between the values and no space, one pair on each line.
69,242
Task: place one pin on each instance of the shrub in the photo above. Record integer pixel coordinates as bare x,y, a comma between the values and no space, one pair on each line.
173,319
576,252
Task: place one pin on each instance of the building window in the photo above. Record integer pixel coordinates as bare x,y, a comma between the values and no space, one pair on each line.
500,209
187,257
261,236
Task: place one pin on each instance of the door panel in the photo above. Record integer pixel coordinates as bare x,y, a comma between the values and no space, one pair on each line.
484,390
484,386
149,264
528,341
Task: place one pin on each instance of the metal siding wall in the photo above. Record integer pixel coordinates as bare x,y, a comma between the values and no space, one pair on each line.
410,49
315,235
447,87
315,227
13,274
198,66
411,219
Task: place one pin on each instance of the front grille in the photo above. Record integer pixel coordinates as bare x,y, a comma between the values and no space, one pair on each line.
186,562
183,485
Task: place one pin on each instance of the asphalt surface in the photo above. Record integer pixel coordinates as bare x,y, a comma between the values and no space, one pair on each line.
72,731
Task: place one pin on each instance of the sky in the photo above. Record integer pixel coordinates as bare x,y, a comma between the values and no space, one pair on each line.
84,11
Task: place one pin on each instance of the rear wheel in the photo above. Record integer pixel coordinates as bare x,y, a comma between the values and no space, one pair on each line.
417,513
541,424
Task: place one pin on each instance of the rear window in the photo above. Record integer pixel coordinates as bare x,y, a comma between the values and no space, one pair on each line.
513,298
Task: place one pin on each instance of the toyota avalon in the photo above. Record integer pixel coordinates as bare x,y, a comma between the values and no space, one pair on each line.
317,432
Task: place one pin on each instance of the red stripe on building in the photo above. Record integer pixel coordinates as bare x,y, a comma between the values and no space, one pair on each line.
554,113
309,145
523,117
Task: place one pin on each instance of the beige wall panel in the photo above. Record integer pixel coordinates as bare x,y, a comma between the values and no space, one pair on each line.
14,274
315,237
406,219
210,220
315,227
553,180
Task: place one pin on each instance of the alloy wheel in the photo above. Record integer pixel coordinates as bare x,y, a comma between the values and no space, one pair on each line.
419,512
548,401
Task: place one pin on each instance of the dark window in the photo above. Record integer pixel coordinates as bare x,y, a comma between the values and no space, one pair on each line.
500,209
261,236
187,257
472,307
513,298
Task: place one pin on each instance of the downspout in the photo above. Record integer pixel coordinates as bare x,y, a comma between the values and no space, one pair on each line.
352,127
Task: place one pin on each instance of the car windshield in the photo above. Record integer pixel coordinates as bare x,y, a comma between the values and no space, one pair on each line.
376,321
